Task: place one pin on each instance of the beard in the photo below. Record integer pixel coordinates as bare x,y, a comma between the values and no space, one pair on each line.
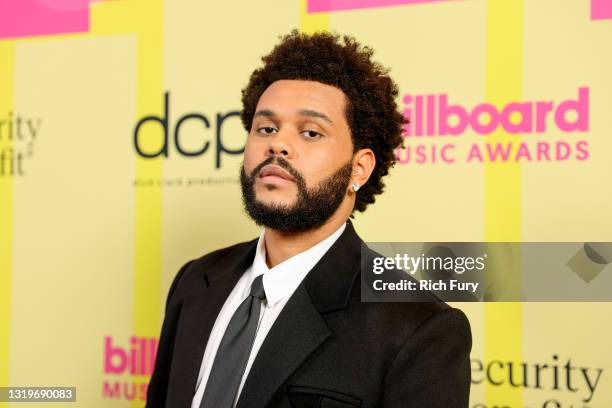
312,208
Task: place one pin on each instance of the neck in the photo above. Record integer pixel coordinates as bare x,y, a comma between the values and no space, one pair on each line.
281,246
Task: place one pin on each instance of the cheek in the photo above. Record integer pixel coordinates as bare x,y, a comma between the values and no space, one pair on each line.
322,164
314,175
252,154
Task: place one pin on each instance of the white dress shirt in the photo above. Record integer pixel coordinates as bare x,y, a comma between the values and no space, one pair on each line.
279,284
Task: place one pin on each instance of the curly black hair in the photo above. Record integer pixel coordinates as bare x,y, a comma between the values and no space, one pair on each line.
340,61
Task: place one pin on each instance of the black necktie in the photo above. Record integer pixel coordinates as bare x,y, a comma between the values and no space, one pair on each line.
234,350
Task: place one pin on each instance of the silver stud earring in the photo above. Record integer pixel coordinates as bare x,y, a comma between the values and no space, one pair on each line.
355,186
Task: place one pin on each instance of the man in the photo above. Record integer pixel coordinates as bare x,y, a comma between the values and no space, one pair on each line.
278,321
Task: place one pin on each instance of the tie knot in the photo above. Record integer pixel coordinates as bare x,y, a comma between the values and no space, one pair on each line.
257,289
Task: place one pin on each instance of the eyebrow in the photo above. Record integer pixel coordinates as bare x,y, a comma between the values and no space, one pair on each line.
315,114
303,112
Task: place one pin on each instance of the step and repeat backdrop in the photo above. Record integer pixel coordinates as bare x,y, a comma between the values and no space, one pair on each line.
120,144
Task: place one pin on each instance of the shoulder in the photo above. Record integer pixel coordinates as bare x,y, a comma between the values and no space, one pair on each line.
211,258
407,319
192,271
401,320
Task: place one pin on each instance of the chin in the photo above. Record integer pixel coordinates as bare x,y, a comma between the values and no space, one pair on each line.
275,199
271,193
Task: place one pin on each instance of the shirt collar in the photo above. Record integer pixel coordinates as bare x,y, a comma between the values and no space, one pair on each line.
282,280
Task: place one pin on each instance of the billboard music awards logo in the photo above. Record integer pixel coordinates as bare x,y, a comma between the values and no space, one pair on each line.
128,367
18,134
437,124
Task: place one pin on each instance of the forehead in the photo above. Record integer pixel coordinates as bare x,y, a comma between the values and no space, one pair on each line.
287,96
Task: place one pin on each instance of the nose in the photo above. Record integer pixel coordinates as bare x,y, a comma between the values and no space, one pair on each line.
280,144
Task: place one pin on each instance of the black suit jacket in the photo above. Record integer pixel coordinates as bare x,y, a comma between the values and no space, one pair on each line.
327,349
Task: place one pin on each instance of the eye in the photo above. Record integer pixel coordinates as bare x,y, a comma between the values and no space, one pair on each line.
311,134
266,130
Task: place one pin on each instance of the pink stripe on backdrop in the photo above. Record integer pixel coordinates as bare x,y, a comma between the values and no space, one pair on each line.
24,18
601,9
335,5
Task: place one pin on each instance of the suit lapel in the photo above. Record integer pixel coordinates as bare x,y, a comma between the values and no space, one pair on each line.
197,317
301,328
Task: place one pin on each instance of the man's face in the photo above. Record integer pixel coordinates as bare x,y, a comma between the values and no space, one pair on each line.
297,160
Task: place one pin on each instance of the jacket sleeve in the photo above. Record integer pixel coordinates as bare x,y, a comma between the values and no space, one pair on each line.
432,368
156,391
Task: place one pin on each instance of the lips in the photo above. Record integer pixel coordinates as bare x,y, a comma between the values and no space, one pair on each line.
271,171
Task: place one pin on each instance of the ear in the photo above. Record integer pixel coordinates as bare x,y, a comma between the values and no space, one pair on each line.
364,162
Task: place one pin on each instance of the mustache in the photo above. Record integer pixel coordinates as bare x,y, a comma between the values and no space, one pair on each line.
279,161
